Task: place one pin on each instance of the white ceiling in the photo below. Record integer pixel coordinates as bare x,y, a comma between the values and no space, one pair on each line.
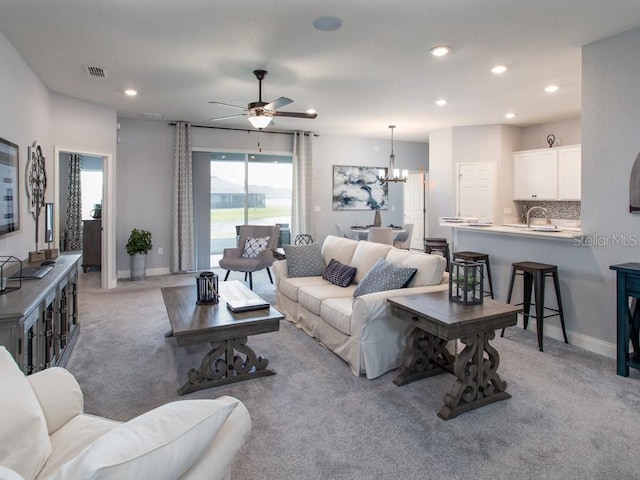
374,71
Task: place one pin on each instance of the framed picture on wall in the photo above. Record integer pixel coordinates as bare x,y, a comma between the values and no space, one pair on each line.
9,192
358,188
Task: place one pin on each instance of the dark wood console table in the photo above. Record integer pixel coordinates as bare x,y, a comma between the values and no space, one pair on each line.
437,321
628,318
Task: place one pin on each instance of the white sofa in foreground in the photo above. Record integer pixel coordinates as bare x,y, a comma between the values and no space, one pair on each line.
45,434
361,330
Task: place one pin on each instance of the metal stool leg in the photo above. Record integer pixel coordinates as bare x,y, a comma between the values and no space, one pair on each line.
511,280
489,277
539,298
556,284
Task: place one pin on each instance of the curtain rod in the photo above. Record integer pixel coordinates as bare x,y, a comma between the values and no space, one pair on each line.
245,130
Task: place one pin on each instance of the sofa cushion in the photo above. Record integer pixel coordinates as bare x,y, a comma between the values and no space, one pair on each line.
253,246
160,444
304,260
366,255
24,439
337,313
430,267
72,438
312,296
384,276
339,274
289,286
339,248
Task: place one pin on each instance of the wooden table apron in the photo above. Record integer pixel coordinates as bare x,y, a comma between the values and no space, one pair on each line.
230,359
438,321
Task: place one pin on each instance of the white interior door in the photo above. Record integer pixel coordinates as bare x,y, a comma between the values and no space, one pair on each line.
477,191
414,208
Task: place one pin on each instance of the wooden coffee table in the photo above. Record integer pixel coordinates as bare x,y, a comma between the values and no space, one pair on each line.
230,358
437,321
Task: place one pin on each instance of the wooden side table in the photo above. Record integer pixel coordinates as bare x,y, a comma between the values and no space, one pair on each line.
627,319
437,321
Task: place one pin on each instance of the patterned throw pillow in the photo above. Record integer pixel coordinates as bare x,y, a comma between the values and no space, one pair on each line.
339,274
384,276
253,246
304,260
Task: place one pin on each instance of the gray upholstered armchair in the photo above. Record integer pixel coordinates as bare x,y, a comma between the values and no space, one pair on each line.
253,252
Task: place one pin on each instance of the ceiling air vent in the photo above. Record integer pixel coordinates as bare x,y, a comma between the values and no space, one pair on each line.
95,72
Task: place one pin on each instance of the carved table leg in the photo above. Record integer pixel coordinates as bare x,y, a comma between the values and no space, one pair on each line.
478,382
221,365
428,356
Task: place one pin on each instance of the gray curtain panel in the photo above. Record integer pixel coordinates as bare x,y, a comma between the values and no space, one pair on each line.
182,245
302,209
73,234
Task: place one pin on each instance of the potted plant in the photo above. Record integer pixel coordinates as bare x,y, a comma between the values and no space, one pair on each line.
138,245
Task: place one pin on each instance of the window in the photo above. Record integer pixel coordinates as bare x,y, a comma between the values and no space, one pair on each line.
242,188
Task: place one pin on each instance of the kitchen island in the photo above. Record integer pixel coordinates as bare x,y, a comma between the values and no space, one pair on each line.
568,248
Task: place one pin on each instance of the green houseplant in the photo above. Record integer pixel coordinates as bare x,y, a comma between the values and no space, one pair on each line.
138,245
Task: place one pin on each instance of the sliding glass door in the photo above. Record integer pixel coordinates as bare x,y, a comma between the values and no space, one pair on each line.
242,188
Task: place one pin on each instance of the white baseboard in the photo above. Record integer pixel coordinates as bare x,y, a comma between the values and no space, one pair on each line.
151,272
585,342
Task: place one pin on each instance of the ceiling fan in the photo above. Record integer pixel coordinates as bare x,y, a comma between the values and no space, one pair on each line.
260,113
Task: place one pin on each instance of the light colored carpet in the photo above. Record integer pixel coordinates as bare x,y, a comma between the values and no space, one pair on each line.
571,416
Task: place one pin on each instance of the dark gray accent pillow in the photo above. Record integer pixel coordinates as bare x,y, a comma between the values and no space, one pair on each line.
339,274
384,276
304,260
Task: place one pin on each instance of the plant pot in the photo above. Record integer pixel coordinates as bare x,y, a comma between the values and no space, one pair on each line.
138,266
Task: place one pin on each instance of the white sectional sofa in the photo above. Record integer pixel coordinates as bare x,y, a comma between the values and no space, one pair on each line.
360,330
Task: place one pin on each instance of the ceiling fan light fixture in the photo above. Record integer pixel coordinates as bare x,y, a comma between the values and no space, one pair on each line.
260,121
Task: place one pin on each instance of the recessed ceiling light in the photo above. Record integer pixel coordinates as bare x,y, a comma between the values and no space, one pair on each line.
311,110
510,115
441,102
327,23
498,69
440,50
131,92
551,88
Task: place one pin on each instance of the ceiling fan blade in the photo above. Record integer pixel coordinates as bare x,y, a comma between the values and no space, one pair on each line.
278,103
227,117
295,114
228,105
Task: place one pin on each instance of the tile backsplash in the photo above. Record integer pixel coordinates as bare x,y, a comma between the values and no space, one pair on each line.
560,210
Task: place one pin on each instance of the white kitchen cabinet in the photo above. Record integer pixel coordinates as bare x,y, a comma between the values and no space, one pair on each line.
547,173
569,172
535,175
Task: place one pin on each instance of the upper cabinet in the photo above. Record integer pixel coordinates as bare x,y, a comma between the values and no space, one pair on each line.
569,172
547,174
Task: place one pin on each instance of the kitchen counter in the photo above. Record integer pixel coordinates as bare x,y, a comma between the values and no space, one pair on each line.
541,231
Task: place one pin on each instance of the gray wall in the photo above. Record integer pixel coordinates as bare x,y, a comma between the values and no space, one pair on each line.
144,178
24,117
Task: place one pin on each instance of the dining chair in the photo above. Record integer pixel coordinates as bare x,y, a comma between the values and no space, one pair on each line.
403,240
340,231
381,235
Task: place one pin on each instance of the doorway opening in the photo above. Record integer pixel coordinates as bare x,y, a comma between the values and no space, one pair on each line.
95,209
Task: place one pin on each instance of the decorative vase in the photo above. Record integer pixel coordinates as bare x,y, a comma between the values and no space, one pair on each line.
377,220
138,266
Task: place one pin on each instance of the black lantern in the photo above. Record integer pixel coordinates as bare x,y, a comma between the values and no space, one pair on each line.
466,282
207,283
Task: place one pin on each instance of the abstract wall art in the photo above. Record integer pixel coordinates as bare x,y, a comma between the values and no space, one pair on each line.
358,188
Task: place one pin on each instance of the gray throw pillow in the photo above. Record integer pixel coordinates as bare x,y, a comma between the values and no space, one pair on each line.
339,274
384,276
304,260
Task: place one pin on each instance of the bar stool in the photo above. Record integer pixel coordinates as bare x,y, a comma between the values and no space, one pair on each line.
437,245
481,258
535,275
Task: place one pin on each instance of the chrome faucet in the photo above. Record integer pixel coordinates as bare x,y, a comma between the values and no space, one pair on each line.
544,210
